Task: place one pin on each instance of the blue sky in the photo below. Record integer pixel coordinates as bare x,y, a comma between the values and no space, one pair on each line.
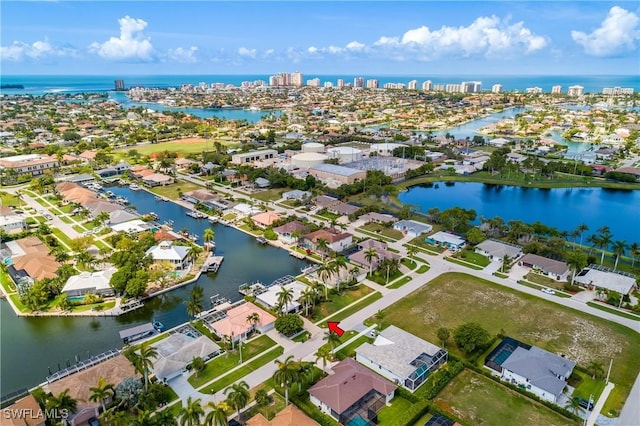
177,37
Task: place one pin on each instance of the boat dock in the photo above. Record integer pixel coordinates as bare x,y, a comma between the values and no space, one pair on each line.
297,255
129,306
196,214
212,263
247,289
138,332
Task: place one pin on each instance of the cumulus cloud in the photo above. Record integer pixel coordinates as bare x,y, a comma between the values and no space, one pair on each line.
131,45
617,33
38,50
187,56
247,53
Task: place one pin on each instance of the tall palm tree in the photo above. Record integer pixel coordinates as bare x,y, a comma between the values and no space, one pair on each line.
101,392
61,403
339,264
576,260
379,316
145,361
411,251
369,255
324,354
307,298
218,414
319,288
143,419
332,339
163,418
573,405
581,229
253,319
194,305
322,245
634,251
286,375
239,395
285,297
604,239
325,270
619,248
190,414
208,236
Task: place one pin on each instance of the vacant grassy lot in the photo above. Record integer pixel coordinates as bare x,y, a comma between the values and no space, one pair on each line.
183,146
174,190
353,308
480,401
337,302
377,228
269,194
453,299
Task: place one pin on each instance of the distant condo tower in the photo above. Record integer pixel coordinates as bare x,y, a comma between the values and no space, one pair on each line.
119,85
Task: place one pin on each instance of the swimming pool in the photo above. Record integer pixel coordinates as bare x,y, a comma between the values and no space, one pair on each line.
358,421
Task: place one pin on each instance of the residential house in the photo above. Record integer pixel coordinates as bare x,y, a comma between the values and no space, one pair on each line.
157,179
24,412
114,170
325,201
342,209
412,228
289,416
262,183
552,268
28,164
90,282
291,232
269,297
597,276
296,194
498,142
376,217
30,260
235,325
447,240
353,394
401,357
11,222
166,251
336,240
360,257
177,351
496,250
540,372
265,219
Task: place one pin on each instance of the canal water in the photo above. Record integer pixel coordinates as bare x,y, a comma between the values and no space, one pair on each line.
563,208
30,346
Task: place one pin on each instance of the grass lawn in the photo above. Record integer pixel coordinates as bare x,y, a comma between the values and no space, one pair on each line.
500,275
269,194
422,269
377,228
453,299
9,199
97,306
245,370
478,400
539,287
463,263
67,208
172,191
339,301
348,334
471,257
411,264
268,411
227,361
420,242
350,349
61,236
204,330
613,311
353,309
388,414
402,281
184,146
379,276
586,386
7,284
545,281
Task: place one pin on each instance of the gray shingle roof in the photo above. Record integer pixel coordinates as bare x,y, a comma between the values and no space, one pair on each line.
540,367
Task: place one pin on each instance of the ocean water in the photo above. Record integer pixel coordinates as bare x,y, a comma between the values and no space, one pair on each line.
41,84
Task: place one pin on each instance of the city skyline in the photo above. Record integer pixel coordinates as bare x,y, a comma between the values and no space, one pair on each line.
383,38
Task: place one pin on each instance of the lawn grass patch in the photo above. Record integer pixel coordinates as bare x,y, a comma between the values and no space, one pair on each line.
67,208
453,299
411,264
175,190
420,242
245,370
268,411
545,281
500,275
9,199
377,228
188,146
423,269
402,281
586,386
269,194
96,306
472,257
350,350
390,413
614,311
354,308
61,236
463,263
339,301
479,400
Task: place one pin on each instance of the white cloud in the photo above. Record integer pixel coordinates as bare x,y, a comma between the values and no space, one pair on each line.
38,50
312,49
187,56
618,32
248,53
355,46
268,52
131,45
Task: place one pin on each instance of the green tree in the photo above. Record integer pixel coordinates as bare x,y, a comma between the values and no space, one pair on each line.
218,414
325,270
443,335
322,246
369,255
191,413
581,229
101,392
208,236
142,360
573,405
603,241
470,337
324,354
595,369
285,297
289,324
253,319
262,398
197,363
307,299
238,395
576,260
475,236
619,249
332,339
286,375
194,304
61,403
379,317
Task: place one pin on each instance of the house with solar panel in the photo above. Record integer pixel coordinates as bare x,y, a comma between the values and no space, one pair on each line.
401,357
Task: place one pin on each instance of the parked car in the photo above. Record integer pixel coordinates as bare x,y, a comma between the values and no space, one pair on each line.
587,405
548,290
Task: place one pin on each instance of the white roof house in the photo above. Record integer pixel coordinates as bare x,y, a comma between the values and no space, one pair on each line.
167,252
446,239
412,228
133,226
246,209
90,282
497,250
270,297
401,357
597,276
177,351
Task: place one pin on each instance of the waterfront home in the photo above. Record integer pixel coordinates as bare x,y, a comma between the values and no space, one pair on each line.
114,170
251,156
157,179
265,219
401,357
498,142
24,412
537,371
134,226
375,217
514,157
206,198
496,250
177,351
287,232
353,394
28,164
336,240
90,282
84,178
552,268
296,194
11,222
380,248
289,416
30,260
447,240
412,228
235,324
244,209
597,276
121,216
269,298
167,251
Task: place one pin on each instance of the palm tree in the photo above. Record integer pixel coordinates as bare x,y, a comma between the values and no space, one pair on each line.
581,229
194,304
338,264
332,339
238,394
163,418
324,354
369,254
190,414
253,319
101,392
143,419
573,405
285,297
197,364
634,251
595,369
144,361
286,375
576,260
379,316
619,248
102,218
604,239
324,273
322,245
307,298
61,403
411,251
218,414
261,397
208,236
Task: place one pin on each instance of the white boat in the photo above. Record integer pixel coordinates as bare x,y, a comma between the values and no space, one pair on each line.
134,187
97,186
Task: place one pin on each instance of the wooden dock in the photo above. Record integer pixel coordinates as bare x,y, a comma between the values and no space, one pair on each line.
212,263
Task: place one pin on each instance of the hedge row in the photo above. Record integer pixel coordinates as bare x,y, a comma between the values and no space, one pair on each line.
441,378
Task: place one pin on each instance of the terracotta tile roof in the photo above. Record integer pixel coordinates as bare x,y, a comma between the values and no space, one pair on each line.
31,414
290,416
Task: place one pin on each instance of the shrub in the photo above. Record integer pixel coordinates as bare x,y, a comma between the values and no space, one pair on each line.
470,337
289,324
270,235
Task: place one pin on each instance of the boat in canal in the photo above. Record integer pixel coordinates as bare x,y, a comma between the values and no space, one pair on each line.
138,332
261,240
135,187
196,215
158,326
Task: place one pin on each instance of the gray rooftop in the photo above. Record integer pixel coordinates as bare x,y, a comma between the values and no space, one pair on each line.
540,367
395,349
500,249
600,277
548,265
413,226
336,170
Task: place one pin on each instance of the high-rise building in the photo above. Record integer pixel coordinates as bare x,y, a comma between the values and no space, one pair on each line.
373,84
358,82
296,78
426,86
453,88
328,84
314,82
533,90
412,85
471,86
340,83
617,90
119,85
556,89
575,91
438,87
496,88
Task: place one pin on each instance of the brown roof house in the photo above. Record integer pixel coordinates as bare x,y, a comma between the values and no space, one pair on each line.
290,416
23,412
336,240
353,392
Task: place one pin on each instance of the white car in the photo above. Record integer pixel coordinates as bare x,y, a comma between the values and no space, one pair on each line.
548,291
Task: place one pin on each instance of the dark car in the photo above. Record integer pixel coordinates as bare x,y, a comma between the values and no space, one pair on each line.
94,422
584,403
